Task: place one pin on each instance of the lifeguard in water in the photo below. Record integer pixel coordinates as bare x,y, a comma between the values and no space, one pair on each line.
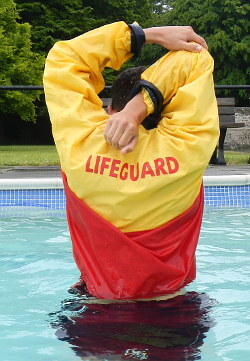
133,178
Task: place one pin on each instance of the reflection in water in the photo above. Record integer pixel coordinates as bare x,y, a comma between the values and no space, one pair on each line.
156,330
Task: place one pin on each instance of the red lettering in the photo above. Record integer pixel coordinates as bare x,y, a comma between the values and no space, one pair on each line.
159,166
97,162
147,169
98,165
104,164
88,169
134,177
114,168
172,165
125,175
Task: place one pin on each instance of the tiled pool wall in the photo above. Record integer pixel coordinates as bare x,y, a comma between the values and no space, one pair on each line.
16,201
41,198
228,196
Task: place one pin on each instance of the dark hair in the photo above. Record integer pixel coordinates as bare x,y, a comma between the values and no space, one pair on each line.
123,86
121,90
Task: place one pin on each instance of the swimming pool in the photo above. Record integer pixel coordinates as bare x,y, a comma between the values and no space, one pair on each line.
40,320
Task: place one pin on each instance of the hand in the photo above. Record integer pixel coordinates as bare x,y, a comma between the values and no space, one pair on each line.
121,132
175,38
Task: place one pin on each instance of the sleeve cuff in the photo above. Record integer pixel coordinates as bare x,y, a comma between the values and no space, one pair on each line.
153,92
137,38
148,101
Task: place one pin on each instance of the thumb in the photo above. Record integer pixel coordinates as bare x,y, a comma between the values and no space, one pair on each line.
193,47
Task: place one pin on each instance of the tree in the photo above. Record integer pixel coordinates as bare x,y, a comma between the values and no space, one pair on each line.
225,26
64,19
107,11
19,65
55,20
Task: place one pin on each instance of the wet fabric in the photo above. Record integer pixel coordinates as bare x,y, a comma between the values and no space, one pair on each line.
172,330
118,265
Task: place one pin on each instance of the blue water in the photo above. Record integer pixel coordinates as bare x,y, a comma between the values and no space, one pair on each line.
39,319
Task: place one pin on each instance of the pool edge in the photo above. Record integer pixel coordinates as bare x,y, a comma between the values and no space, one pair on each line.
56,182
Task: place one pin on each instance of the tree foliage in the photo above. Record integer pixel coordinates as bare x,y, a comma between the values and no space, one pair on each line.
225,26
55,20
65,19
107,11
19,65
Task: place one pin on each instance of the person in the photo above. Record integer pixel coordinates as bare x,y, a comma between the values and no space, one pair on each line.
134,210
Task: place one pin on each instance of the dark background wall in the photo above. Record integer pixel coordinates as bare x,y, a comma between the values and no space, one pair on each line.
15,131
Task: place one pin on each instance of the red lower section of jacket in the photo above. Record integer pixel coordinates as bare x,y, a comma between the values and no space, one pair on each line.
143,264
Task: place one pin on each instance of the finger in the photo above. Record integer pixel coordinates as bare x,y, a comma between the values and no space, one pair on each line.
111,132
106,130
199,40
126,138
131,146
118,134
192,47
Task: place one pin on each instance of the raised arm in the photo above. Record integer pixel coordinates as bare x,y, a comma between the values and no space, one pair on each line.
73,79
122,128
190,110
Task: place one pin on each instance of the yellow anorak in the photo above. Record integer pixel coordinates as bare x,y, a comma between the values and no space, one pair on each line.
128,190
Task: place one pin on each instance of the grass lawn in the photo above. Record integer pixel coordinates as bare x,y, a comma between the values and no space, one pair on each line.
237,158
46,155
28,155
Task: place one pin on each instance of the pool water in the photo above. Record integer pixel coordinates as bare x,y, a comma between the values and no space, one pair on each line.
40,320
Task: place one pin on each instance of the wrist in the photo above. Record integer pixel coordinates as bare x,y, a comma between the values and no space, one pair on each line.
136,109
155,35
150,35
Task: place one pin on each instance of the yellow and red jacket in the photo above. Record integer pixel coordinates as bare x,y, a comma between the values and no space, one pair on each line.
135,218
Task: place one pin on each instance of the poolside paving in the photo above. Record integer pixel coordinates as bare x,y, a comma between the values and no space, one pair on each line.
51,172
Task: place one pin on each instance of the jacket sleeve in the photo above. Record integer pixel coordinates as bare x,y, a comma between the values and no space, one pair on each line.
190,109
73,79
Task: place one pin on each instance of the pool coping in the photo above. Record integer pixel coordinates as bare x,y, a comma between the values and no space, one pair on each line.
56,182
